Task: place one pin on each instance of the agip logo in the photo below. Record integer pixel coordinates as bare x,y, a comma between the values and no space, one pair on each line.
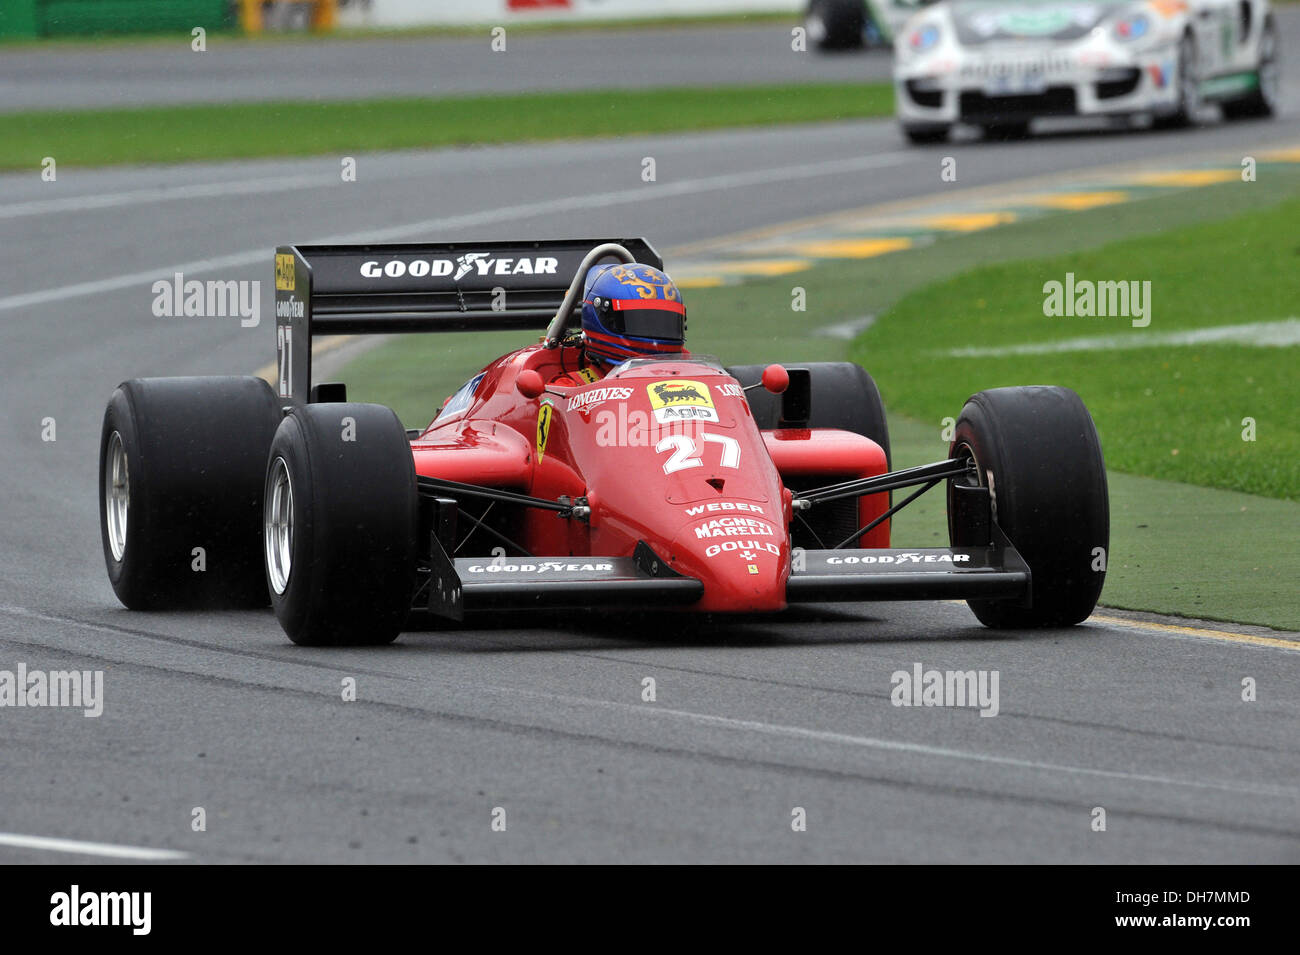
681,400
284,280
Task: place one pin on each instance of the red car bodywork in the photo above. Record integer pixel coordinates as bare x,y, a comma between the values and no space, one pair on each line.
708,496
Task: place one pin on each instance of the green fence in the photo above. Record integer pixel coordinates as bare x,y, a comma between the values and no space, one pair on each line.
85,17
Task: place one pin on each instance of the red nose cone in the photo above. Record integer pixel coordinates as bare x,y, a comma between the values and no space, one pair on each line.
529,383
740,573
776,379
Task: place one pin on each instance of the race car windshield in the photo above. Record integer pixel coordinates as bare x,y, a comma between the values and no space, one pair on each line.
625,369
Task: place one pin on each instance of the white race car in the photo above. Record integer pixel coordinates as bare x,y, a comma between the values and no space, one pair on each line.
999,64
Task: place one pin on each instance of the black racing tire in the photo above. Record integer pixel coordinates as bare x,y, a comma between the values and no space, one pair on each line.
836,24
1189,95
343,571
844,396
1006,132
181,462
1036,449
926,135
1261,102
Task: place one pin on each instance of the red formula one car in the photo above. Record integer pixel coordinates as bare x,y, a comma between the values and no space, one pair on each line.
670,482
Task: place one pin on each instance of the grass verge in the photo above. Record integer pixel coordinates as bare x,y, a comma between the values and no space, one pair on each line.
162,134
1174,548
231,37
1169,411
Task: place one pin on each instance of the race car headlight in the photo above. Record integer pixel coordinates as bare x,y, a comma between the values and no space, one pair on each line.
1135,26
923,39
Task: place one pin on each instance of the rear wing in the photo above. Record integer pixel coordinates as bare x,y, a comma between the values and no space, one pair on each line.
407,287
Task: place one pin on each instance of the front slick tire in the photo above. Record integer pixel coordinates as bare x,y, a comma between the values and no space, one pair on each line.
1036,450
339,525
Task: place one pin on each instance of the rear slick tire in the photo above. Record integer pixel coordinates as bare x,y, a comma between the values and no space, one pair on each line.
181,462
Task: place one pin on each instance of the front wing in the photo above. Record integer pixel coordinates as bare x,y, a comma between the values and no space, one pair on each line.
453,587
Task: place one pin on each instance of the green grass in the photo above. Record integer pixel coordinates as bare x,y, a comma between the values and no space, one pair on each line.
1172,412
231,37
1174,548
246,130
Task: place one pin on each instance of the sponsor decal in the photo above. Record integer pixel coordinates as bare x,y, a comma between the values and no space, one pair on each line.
681,400
906,558
586,400
480,264
747,549
289,308
753,568
730,390
544,415
733,527
587,375
698,509
284,271
539,568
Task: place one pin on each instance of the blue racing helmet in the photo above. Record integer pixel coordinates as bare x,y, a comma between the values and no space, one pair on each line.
631,311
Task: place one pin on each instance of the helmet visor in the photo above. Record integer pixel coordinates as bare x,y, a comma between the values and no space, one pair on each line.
647,318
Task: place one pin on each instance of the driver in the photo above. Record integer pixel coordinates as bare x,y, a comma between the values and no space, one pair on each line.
628,311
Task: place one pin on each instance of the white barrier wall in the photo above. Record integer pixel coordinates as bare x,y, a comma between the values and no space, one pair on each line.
402,13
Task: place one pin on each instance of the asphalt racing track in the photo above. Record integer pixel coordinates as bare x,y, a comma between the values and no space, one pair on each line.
544,717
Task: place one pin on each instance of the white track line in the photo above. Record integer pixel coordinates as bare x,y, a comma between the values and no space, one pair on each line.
919,749
77,847
209,190
1280,334
649,192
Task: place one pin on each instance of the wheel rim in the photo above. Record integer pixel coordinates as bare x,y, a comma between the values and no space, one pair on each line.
1189,86
117,495
1269,74
815,27
981,477
277,526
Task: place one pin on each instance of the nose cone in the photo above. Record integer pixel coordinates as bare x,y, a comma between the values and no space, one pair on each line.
744,563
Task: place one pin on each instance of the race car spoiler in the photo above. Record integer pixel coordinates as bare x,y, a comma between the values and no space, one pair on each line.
927,573
422,287
996,572
519,583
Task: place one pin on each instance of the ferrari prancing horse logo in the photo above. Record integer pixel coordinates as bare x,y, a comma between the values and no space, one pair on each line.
544,415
